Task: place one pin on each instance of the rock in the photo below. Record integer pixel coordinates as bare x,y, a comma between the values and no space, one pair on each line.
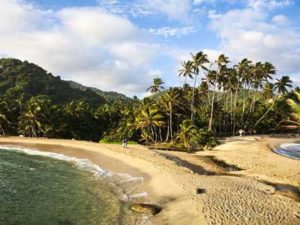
146,208
200,191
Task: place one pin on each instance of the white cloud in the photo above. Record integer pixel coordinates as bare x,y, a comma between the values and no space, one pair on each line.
247,33
173,9
168,32
86,45
95,26
268,4
280,20
178,10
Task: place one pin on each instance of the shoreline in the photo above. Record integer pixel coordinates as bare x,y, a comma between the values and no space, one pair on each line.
234,197
162,189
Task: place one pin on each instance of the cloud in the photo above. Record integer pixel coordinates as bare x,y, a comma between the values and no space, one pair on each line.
85,44
177,10
173,9
248,33
268,4
168,32
95,26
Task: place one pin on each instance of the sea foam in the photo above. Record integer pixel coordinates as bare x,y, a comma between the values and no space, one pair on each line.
127,183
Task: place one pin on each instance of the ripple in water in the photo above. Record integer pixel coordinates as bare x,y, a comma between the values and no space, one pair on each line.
53,189
289,150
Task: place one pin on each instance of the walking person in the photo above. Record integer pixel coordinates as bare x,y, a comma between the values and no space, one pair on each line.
124,142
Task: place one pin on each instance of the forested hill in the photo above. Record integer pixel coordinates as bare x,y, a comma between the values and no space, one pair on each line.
109,96
23,80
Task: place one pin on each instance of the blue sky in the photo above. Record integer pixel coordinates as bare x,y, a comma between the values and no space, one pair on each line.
122,45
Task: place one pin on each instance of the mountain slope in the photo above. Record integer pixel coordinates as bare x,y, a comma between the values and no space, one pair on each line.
109,96
24,79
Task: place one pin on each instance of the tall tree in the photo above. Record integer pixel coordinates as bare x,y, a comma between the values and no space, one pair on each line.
171,99
216,80
156,86
295,106
147,120
187,70
282,85
199,60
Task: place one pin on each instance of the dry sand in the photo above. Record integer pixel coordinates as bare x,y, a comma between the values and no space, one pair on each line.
229,197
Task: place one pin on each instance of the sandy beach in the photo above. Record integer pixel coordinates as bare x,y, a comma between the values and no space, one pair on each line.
235,182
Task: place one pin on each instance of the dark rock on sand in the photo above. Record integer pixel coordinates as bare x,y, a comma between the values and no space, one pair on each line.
200,191
146,208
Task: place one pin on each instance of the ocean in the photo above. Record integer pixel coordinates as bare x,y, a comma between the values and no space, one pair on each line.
39,188
289,150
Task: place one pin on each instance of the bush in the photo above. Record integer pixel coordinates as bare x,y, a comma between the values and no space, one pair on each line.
204,138
110,140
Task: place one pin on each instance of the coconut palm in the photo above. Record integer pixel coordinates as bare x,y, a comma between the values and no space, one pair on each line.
282,85
148,119
295,106
267,91
216,79
156,86
198,61
269,71
186,133
171,99
187,70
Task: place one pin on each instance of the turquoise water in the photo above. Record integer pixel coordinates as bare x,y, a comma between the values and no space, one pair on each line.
289,150
38,190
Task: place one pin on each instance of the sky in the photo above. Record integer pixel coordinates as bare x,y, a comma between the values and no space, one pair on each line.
121,45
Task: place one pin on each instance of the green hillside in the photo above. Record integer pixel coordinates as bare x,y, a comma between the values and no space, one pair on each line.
109,96
26,79
35,103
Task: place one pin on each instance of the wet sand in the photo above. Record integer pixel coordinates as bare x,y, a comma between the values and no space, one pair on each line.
226,195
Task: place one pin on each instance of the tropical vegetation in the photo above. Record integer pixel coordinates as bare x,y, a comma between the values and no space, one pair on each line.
223,98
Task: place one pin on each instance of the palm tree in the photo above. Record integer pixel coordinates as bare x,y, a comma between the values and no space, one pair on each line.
295,106
268,91
269,70
282,85
148,119
198,63
186,70
171,99
186,133
216,80
156,86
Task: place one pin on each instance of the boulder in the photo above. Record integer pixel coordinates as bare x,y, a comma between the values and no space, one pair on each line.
144,208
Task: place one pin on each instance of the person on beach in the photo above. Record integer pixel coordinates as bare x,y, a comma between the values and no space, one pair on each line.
241,132
124,142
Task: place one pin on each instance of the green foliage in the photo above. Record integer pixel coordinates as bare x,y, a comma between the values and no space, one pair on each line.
228,98
23,79
110,96
106,140
295,106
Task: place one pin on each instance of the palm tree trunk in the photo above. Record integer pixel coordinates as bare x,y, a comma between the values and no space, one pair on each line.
264,115
160,134
168,132
235,107
211,112
152,132
193,100
171,123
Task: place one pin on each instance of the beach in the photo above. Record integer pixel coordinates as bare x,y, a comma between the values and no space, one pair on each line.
233,184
